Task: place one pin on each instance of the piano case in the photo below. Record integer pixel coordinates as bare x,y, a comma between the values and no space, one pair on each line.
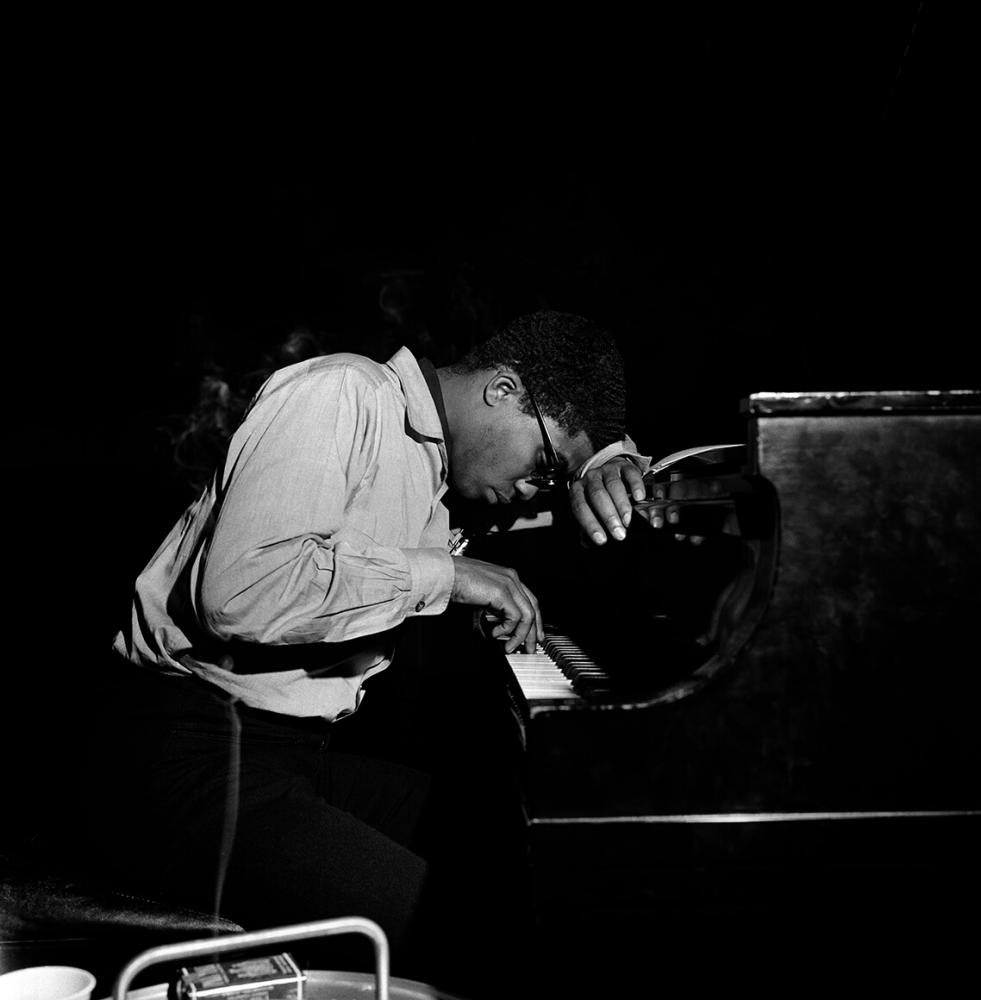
800,793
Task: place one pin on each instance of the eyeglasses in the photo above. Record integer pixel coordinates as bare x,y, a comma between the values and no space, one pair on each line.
553,475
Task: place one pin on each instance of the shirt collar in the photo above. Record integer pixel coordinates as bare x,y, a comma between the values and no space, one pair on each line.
424,412
436,390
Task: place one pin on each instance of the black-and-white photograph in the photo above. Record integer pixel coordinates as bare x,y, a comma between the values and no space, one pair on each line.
494,506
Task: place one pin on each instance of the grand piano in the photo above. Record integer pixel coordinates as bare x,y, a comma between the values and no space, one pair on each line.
759,756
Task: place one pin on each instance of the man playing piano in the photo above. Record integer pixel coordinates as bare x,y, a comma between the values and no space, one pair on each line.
283,588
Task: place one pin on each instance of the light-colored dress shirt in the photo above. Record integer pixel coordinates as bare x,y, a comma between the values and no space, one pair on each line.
323,525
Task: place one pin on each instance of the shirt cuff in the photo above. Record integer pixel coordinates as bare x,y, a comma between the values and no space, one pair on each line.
432,575
626,447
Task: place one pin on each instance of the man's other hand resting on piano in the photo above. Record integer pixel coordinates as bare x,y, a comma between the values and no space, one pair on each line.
605,498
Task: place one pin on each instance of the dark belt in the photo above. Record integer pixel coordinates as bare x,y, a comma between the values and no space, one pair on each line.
345,658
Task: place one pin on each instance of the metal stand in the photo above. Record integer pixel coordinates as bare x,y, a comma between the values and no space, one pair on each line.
273,936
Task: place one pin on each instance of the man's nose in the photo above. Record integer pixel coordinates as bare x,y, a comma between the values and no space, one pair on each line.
524,489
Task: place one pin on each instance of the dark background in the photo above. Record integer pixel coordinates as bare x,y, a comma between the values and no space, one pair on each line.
750,198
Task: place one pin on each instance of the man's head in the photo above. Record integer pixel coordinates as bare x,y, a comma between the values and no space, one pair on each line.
567,366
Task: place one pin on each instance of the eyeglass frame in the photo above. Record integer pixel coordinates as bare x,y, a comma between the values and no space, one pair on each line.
553,476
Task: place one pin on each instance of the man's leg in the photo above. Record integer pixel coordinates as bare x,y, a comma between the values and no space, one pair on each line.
320,834
219,810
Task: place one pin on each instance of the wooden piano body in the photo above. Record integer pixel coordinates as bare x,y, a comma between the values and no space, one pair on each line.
802,793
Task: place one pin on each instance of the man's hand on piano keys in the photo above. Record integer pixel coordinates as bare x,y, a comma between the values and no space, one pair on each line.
507,600
602,501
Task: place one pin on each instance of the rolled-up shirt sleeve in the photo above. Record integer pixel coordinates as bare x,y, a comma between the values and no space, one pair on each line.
289,558
625,447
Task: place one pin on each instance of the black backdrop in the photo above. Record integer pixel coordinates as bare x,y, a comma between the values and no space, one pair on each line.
761,199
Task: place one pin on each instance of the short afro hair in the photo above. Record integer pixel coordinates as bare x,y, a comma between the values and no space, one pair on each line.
571,366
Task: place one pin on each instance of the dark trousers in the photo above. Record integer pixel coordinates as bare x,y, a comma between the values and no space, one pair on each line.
333,820
251,814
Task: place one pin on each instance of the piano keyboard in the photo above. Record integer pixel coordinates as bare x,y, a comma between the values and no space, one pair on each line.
558,670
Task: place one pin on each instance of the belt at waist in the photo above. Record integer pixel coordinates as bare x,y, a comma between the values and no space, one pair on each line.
348,658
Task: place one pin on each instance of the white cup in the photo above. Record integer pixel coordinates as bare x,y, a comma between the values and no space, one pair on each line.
47,982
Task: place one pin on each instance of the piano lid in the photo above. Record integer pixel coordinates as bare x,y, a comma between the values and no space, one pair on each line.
878,401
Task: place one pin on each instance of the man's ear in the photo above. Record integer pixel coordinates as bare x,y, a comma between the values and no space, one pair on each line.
504,384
